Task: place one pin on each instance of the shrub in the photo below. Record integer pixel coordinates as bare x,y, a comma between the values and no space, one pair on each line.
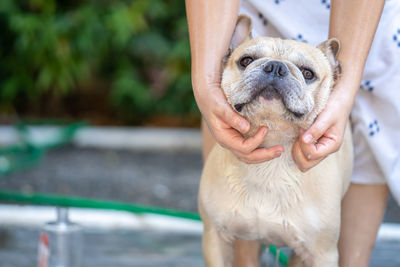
139,49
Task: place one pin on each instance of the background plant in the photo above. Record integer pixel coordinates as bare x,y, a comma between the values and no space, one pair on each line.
138,50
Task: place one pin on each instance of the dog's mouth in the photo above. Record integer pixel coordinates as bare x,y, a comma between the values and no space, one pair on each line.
269,93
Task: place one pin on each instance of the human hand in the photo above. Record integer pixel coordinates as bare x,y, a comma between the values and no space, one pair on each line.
325,136
226,126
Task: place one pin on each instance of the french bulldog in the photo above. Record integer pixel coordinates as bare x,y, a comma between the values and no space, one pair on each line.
284,85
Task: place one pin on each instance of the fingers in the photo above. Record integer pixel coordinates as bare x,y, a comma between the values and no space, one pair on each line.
260,155
320,148
303,162
247,149
317,129
321,139
234,120
226,126
246,146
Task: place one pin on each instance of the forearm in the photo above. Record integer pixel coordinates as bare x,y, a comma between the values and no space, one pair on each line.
211,24
354,23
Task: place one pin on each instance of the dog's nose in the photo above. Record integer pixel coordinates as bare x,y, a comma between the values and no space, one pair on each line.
276,68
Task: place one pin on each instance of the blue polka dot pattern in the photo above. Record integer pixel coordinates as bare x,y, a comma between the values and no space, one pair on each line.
373,128
300,38
278,1
326,3
396,37
366,85
263,20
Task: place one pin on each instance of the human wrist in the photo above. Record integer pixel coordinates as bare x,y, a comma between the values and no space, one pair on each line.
343,94
349,82
206,89
205,80
207,67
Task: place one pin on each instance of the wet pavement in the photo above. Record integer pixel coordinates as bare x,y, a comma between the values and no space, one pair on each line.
18,248
165,179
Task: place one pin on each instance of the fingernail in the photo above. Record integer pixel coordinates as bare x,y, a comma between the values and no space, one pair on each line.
307,138
264,131
309,156
243,125
278,154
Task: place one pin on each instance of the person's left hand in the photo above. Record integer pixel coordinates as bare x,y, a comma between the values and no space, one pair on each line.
325,136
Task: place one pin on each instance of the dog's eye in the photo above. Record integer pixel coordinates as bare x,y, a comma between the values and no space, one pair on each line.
245,61
308,74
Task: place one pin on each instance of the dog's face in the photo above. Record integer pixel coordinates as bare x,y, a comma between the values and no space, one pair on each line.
269,80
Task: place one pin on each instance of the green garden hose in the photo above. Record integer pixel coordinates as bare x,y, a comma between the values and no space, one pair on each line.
28,152
70,201
17,157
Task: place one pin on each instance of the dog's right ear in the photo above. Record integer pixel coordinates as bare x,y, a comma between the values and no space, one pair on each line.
241,34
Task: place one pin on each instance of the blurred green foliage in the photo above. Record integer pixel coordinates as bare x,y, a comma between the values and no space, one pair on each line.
139,49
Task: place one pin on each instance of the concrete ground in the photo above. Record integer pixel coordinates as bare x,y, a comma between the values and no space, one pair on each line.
101,248
18,248
165,179
160,178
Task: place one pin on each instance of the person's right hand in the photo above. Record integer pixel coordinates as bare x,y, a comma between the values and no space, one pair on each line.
227,126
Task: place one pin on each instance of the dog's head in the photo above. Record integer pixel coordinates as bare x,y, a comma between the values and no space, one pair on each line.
270,80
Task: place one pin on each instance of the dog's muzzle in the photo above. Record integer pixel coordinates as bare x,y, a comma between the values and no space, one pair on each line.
274,81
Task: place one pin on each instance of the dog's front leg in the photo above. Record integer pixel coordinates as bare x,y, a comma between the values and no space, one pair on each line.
218,249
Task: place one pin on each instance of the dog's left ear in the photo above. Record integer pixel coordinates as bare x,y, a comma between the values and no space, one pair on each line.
241,34
331,49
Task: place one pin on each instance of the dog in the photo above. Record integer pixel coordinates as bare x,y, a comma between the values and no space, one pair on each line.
284,85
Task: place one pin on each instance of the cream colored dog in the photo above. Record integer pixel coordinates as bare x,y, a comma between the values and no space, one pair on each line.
284,85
